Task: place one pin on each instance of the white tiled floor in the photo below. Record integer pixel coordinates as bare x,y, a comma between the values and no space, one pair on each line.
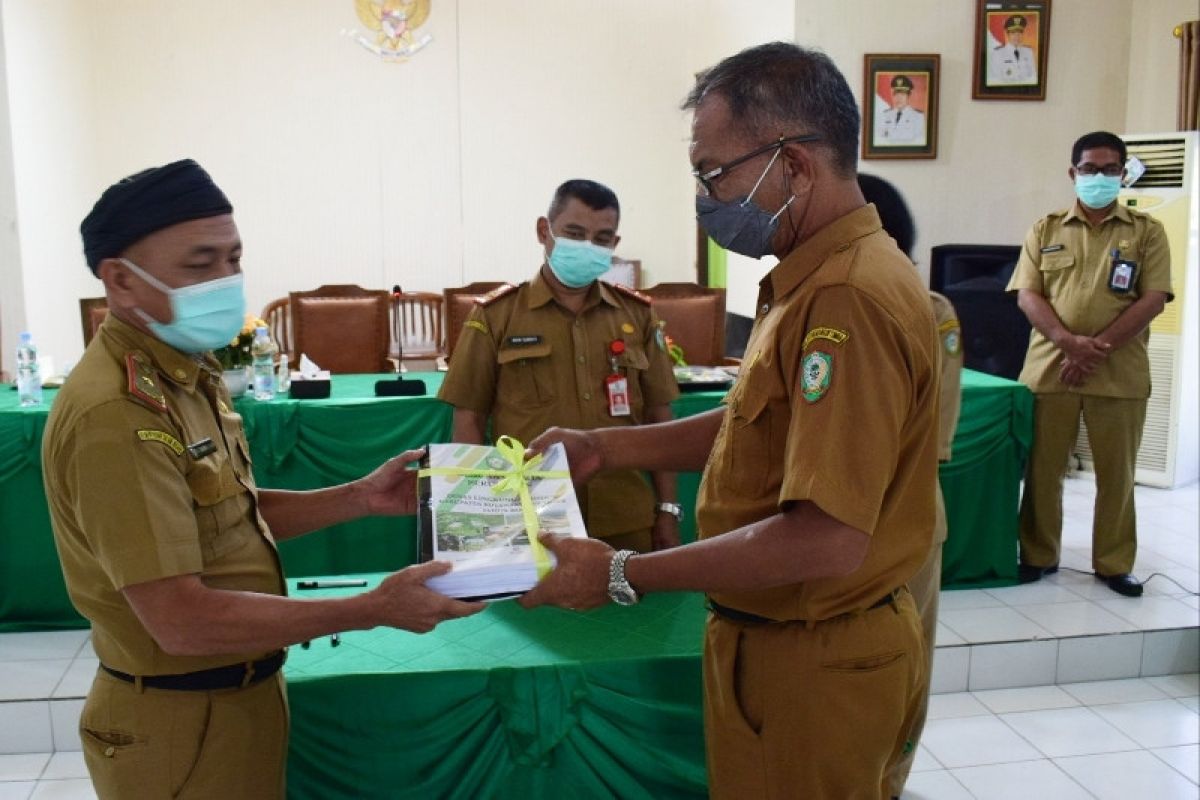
1105,703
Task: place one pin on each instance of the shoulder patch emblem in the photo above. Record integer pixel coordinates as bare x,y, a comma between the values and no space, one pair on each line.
164,437
815,374
143,382
495,294
477,325
635,294
951,333
830,334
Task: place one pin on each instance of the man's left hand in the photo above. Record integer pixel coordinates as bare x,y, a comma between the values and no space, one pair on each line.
665,533
1074,374
580,581
391,490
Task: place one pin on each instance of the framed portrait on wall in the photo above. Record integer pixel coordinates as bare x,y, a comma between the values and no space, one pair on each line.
1012,39
900,105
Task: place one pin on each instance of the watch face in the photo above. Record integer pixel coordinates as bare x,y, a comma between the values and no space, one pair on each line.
622,595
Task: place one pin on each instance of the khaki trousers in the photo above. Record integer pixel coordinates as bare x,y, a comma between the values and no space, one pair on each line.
156,743
1115,433
926,588
815,711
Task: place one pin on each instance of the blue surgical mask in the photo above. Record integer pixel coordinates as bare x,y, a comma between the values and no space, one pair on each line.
204,316
1097,191
739,225
576,263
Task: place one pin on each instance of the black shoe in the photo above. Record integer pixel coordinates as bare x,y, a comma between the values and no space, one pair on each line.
1027,573
1124,584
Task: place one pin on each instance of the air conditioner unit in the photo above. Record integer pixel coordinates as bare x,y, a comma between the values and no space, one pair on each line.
1170,452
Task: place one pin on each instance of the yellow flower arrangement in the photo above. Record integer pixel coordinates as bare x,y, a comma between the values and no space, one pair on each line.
236,354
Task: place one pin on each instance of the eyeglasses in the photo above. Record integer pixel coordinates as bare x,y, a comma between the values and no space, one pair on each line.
707,179
1108,170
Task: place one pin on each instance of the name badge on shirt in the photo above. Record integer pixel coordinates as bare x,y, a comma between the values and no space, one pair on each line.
202,448
1120,277
617,387
523,341
1054,248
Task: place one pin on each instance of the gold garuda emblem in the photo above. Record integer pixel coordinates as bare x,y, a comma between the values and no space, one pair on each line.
394,25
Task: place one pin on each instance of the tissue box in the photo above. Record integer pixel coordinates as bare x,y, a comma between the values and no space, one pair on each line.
314,387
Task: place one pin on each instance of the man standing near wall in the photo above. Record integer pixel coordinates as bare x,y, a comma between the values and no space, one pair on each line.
817,500
1090,279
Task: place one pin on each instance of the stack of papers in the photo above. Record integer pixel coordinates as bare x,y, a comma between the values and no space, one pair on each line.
486,533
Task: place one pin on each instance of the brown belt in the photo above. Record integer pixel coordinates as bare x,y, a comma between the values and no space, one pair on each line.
745,617
234,676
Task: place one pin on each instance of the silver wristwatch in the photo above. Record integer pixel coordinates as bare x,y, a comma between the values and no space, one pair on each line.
674,509
619,590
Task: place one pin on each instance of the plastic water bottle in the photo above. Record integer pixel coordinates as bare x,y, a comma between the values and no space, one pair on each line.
262,351
29,376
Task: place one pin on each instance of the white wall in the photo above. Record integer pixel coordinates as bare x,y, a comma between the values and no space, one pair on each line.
12,283
1001,164
343,168
1154,64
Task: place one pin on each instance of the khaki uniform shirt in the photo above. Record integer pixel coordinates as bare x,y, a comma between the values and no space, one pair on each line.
950,361
530,364
836,403
1069,263
131,502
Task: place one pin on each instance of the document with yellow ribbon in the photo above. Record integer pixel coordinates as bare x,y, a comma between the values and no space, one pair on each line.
482,508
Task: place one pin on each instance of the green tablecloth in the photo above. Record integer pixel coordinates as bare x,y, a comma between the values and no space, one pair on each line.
982,482
507,703
314,443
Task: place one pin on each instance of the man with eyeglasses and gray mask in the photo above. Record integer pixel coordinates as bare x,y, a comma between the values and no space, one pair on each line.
817,501
1090,279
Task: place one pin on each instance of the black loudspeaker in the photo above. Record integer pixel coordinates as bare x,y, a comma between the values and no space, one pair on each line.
995,332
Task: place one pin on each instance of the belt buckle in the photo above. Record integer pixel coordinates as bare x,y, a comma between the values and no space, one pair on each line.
248,677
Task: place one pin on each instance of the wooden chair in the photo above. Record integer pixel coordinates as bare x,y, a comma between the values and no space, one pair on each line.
342,327
458,302
278,316
92,312
695,320
417,326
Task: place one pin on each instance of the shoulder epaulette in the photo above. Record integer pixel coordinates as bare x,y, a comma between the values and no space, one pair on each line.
143,381
634,293
495,294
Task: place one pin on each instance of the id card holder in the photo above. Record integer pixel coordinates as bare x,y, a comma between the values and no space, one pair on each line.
1121,276
617,387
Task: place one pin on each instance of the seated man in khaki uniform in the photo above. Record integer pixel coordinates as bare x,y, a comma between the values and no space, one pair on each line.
816,505
167,546
567,349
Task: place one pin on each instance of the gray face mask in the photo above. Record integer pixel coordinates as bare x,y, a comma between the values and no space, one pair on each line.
739,225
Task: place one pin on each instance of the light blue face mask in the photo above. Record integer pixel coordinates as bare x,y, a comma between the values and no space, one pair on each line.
576,263
1097,191
204,316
